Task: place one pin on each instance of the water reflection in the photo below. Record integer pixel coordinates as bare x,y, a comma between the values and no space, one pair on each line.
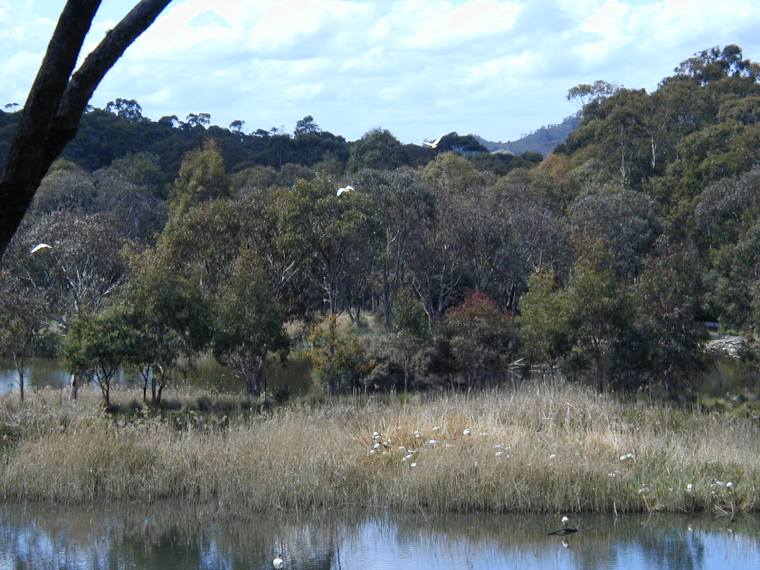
165,536
294,377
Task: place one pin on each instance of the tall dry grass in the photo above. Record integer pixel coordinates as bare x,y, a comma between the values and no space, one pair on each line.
535,448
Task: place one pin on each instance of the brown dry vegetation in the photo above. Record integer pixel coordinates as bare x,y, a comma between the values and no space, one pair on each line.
560,450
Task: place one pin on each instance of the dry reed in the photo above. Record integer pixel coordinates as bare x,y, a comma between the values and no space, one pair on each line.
534,448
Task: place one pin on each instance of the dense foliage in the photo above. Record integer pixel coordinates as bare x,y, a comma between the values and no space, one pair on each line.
453,267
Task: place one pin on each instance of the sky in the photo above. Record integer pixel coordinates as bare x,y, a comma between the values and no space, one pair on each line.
419,68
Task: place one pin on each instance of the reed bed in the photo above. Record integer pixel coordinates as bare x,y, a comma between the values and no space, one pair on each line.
539,447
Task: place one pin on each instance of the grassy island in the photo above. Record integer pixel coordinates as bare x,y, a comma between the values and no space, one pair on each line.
535,447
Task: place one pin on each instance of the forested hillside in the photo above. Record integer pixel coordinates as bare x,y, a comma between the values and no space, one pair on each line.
391,265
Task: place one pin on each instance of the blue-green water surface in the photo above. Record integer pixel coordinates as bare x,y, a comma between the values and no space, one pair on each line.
166,536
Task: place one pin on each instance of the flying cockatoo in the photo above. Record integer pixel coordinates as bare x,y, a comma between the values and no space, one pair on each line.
40,246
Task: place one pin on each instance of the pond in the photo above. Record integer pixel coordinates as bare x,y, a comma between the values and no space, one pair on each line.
725,376
191,537
293,376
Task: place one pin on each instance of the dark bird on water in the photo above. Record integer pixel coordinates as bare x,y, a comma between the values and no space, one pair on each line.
565,528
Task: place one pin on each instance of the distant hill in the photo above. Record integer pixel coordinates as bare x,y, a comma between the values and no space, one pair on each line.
542,140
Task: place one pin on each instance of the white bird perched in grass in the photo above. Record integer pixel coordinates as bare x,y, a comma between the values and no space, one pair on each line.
278,562
40,246
467,431
347,188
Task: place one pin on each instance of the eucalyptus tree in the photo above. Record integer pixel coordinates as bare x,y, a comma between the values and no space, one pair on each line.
625,220
83,267
336,235
403,206
377,149
22,322
169,319
248,322
668,294
98,345
202,177
438,260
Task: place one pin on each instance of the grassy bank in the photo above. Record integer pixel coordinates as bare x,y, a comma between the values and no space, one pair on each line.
541,448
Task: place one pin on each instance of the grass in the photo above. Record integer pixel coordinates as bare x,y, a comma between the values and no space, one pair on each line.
534,448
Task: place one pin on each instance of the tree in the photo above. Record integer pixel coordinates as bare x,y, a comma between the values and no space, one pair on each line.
438,259
237,125
98,345
249,324
202,177
625,220
306,126
22,319
667,296
544,327
410,331
404,207
82,269
377,149
337,234
598,316
482,339
713,64
128,109
57,100
169,319
339,358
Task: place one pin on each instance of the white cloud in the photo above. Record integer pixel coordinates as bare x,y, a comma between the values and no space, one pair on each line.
417,67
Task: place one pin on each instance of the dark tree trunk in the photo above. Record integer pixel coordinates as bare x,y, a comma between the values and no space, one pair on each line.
74,392
19,364
57,100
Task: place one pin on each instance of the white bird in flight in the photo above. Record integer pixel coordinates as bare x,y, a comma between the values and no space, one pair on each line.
40,246
345,189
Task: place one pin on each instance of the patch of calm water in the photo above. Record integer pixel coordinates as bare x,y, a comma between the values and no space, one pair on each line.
169,536
293,376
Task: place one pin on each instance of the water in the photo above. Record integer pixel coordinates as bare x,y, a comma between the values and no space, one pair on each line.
294,376
170,536
726,376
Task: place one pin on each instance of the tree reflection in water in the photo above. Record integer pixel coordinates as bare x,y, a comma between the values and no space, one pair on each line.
169,536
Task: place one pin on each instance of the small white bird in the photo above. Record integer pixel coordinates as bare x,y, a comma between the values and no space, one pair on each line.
689,488
40,246
278,562
467,431
347,188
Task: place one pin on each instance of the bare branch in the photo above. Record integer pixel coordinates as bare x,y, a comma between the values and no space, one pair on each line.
93,70
57,100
